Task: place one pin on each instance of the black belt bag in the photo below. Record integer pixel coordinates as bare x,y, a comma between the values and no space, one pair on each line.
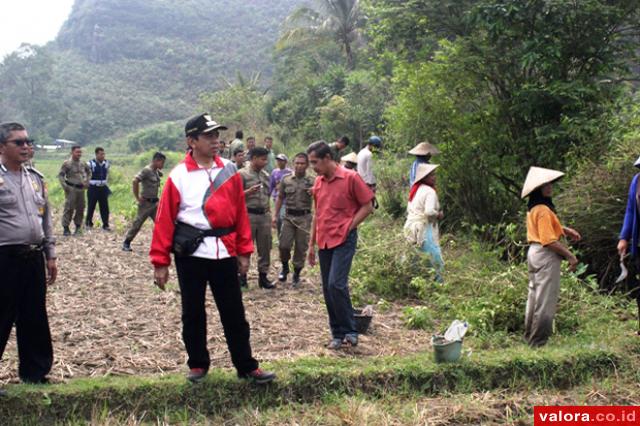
187,238
294,212
152,200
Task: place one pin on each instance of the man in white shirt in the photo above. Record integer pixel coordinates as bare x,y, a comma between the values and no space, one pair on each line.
365,161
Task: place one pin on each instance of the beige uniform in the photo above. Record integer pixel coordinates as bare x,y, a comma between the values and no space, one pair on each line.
74,177
149,179
295,192
259,214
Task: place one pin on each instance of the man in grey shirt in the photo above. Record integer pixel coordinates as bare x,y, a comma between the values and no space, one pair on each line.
27,256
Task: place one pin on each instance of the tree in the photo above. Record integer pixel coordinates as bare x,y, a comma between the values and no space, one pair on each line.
339,20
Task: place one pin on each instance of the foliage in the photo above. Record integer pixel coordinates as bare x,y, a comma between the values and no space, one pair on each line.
338,20
522,84
594,197
419,317
159,137
120,66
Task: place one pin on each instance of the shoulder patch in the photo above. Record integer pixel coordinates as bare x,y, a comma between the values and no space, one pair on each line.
35,172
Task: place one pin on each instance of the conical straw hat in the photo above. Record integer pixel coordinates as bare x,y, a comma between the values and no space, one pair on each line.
637,163
424,148
424,170
351,158
537,177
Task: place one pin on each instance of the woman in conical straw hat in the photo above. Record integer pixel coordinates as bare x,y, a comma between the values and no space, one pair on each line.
546,252
423,152
423,214
350,161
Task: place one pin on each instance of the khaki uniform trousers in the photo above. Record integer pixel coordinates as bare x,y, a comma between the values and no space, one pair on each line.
295,229
73,207
261,234
146,210
544,289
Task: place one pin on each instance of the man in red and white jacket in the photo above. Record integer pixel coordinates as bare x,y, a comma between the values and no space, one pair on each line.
205,192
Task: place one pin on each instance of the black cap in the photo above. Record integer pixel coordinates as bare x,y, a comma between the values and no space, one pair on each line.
201,124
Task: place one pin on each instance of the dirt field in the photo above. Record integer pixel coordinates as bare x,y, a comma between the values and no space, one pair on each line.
106,317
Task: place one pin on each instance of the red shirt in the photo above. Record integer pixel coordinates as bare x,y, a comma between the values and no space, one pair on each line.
182,199
337,201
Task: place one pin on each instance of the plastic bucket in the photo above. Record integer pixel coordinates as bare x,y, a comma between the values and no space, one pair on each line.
362,321
446,351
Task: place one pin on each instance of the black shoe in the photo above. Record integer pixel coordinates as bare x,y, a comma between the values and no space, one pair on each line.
88,225
41,381
242,279
196,375
126,246
258,376
106,228
264,282
66,232
78,231
282,277
296,277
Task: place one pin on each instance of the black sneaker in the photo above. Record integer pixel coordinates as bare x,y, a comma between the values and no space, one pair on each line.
66,232
264,282
282,277
126,246
196,375
351,339
106,229
258,376
78,231
88,225
296,277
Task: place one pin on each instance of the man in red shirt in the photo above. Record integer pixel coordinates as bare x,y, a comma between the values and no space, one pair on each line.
342,202
203,219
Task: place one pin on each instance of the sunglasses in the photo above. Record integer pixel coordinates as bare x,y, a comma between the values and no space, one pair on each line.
23,142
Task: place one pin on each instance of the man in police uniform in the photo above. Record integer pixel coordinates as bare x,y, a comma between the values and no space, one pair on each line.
295,190
338,148
74,177
99,191
26,239
149,177
256,190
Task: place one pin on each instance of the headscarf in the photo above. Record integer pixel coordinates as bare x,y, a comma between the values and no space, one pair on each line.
536,198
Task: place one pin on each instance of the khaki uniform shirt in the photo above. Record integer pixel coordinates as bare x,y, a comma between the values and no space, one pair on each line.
25,216
150,182
295,191
75,172
259,199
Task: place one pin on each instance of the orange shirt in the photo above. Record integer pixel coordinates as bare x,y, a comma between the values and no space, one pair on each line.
337,201
543,226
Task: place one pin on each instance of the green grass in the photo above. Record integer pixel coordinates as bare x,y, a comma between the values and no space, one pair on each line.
308,380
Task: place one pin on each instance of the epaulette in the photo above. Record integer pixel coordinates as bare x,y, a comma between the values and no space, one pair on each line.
35,172
3,168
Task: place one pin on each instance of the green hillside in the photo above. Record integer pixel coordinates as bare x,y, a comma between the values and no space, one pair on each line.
121,65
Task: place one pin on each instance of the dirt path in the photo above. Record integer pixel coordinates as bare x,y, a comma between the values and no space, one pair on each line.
106,317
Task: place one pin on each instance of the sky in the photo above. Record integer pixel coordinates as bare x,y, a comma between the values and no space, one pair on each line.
30,21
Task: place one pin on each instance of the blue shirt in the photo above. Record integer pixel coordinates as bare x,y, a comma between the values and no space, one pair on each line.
631,222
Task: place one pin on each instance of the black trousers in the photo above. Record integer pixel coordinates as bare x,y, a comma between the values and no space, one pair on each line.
23,292
98,195
221,275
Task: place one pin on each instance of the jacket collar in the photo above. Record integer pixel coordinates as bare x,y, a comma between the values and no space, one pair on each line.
193,166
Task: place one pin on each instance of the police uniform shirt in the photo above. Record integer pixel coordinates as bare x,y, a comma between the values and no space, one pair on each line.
259,199
150,182
75,172
25,216
296,192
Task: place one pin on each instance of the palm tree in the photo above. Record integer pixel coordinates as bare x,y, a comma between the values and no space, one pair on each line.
339,20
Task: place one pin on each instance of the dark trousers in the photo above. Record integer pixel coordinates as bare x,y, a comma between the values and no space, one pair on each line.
335,265
23,292
221,275
98,195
